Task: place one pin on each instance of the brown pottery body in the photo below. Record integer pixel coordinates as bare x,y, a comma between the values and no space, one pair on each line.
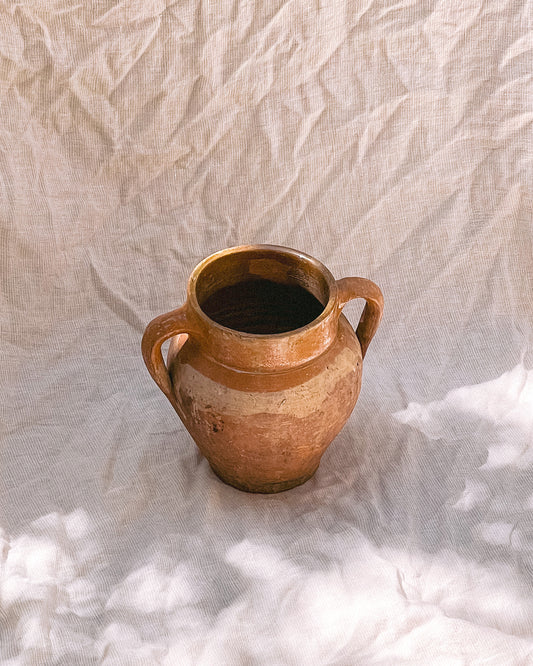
263,406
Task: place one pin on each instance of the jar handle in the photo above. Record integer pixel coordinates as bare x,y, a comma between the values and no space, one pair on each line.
356,287
158,330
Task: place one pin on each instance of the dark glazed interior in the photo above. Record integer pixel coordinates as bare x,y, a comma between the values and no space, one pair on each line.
262,291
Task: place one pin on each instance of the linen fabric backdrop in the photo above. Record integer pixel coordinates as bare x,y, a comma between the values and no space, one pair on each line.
391,139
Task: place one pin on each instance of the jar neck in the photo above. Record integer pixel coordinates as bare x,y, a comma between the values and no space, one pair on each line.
266,353
255,265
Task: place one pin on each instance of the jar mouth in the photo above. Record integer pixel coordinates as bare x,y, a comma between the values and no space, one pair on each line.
261,291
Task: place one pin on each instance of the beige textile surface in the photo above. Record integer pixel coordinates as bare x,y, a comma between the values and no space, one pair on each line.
390,139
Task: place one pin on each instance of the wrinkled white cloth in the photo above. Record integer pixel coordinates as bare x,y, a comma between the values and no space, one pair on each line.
389,139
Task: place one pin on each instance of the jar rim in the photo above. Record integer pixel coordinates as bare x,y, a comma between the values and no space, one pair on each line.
263,250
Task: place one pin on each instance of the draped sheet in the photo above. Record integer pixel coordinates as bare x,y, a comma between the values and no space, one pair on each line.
389,139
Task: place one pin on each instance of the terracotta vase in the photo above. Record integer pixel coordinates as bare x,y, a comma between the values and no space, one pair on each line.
263,368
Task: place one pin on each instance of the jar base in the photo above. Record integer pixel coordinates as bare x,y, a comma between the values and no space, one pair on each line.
264,488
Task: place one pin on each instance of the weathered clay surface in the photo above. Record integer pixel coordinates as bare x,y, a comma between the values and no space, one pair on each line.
264,440
263,408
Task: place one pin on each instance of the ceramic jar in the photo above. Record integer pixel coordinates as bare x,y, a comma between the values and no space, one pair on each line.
263,368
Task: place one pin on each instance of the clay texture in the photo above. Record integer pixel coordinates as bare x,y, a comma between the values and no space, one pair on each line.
263,408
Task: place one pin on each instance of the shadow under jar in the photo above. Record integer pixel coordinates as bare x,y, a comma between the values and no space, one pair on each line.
263,368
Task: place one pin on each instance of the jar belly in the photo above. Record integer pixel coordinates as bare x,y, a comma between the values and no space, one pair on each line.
267,433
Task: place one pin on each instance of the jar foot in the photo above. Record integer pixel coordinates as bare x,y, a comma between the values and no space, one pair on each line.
264,488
